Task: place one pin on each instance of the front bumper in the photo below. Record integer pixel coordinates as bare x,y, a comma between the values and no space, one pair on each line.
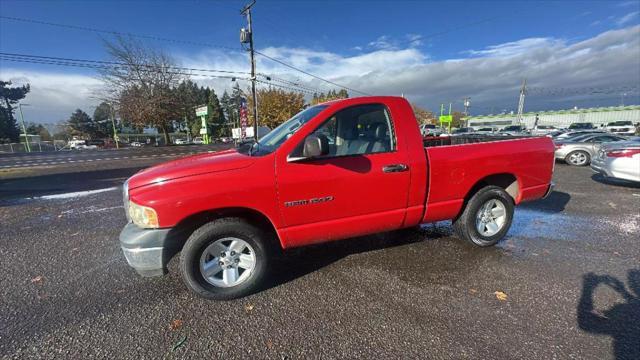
147,250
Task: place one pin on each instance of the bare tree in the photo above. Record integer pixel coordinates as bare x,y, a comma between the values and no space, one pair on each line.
141,84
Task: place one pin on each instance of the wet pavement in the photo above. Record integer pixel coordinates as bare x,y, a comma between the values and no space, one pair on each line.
563,284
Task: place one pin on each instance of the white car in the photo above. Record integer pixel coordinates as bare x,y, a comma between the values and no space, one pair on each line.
180,142
198,140
430,130
136,144
621,128
620,160
542,129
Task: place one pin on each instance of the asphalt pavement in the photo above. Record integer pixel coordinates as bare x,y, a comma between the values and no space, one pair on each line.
564,284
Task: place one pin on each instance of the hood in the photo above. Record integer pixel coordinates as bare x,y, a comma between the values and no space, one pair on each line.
633,143
190,166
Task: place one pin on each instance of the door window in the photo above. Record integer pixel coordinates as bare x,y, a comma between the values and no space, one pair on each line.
358,130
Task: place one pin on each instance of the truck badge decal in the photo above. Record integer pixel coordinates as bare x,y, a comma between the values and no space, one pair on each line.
308,202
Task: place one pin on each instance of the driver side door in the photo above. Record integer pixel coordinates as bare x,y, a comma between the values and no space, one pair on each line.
359,187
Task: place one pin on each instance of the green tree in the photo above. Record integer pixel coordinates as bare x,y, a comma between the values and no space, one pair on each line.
10,96
215,117
102,124
80,124
40,130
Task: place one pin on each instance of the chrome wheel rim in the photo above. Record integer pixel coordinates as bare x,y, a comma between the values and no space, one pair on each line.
578,158
227,262
491,217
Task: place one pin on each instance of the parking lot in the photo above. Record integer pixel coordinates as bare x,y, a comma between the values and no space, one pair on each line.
565,283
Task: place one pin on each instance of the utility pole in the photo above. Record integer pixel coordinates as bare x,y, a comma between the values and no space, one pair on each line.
246,36
466,102
24,129
113,123
523,93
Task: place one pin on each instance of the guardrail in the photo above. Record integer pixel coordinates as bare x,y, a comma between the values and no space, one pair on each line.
41,146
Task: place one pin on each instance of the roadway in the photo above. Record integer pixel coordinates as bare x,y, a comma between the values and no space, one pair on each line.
68,292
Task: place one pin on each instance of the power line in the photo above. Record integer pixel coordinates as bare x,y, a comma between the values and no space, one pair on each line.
310,74
157,38
443,32
98,66
116,63
117,33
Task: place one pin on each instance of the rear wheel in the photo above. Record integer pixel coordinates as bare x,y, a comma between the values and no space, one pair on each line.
578,158
225,259
486,218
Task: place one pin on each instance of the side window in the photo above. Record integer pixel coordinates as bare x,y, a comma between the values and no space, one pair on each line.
358,130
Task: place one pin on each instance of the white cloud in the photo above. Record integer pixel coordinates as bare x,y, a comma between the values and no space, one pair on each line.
491,76
627,18
54,96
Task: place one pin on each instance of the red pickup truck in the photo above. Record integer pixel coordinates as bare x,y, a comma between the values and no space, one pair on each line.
336,170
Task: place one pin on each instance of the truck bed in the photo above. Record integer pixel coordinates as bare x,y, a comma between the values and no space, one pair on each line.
433,141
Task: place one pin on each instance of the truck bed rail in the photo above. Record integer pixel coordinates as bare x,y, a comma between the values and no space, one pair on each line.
433,141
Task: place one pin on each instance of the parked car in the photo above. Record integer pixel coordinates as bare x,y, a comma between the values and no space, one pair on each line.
136,144
463,130
226,140
621,128
198,140
487,130
581,126
579,151
543,130
620,160
514,129
571,134
180,141
430,130
230,212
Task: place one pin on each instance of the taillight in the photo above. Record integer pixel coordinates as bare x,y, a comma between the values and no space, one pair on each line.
558,146
622,153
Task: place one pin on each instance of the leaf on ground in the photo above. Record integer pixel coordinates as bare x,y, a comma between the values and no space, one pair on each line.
37,280
175,324
501,296
473,291
179,343
248,308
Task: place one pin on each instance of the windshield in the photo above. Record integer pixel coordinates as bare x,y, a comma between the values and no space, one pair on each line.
581,126
277,136
620,123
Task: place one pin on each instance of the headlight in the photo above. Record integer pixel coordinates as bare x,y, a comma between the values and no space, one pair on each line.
143,216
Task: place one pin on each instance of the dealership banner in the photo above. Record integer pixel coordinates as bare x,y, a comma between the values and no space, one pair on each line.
244,120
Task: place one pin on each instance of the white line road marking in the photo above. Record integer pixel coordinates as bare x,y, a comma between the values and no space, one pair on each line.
74,194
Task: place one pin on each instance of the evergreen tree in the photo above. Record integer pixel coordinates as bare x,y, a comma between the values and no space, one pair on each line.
80,124
9,96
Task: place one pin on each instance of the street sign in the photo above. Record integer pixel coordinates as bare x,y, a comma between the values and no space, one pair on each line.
446,118
202,111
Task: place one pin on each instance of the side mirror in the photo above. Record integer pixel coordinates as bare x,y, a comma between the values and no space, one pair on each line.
315,146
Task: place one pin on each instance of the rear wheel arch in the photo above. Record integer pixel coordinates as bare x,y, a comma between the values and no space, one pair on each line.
507,181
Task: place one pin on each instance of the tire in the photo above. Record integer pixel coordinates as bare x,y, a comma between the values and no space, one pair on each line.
466,225
198,255
578,158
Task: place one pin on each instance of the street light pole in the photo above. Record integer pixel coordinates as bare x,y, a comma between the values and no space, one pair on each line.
24,129
247,11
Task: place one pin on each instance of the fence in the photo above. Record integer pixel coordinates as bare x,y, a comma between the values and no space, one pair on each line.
36,146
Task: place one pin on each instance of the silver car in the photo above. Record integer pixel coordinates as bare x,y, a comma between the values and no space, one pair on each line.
619,160
578,151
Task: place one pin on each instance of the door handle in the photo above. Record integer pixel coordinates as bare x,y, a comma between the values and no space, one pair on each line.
395,168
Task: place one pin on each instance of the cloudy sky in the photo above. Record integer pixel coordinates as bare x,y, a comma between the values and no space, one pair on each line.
571,53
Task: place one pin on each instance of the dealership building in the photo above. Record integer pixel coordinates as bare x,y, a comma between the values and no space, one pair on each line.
561,118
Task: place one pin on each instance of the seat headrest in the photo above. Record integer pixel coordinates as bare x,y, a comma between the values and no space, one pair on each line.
381,131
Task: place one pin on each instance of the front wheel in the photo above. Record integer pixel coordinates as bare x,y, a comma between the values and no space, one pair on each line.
486,218
225,259
578,158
